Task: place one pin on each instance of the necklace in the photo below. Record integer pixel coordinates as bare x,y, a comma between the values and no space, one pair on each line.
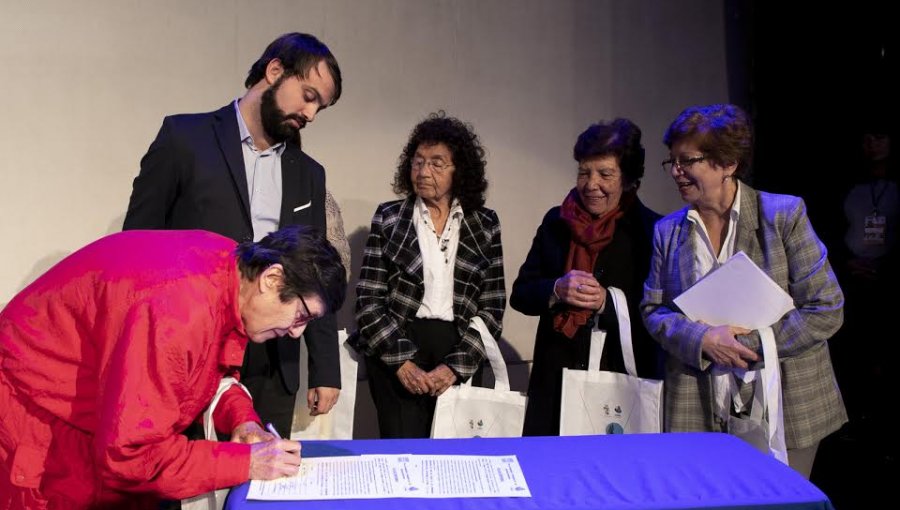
444,244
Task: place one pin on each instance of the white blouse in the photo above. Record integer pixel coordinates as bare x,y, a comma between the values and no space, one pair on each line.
438,260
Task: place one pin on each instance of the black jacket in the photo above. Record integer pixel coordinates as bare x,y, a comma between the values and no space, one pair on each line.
624,264
193,177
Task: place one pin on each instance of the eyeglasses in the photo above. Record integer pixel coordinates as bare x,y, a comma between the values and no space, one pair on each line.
684,164
438,165
306,317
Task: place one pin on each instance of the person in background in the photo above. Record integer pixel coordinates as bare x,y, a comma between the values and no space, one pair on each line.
113,352
599,237
433,262
240,172
710,151
868,270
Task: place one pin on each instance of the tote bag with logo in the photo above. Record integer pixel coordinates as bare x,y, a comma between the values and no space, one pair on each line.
469,411
600,402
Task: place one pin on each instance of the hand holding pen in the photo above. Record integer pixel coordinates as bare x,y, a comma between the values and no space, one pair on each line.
271,428
274,459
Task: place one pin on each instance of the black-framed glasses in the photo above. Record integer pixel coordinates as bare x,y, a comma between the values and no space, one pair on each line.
682,164
438,165
307,317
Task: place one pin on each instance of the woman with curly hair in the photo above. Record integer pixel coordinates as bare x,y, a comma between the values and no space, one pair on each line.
433,262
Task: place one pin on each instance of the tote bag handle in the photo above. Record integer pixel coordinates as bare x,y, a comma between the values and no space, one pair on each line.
494,357
598,336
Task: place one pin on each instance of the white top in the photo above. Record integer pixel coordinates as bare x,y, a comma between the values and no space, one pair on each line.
706,260
438,260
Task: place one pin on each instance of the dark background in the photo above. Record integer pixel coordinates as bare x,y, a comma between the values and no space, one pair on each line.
812,77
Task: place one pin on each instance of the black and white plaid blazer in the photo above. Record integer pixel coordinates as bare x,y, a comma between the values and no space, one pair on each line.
391,286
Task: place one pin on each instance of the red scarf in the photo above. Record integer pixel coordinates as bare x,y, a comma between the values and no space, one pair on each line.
589,236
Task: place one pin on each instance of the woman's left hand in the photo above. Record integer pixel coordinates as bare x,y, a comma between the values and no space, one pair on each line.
250,432
441,378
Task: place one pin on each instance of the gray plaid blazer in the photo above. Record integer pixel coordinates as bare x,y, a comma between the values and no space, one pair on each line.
391,286
775,232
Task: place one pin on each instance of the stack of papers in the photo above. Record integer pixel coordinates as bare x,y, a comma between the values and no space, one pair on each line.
398,476
738,293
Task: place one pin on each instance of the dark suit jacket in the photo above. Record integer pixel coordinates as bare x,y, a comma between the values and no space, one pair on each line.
193,177
623,264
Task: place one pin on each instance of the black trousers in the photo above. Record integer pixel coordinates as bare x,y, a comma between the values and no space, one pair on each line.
261,374
402,414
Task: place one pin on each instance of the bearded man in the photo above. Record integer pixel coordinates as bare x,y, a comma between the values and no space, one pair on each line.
240,172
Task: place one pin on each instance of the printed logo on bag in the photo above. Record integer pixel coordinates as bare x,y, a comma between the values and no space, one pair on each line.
614,428
479,425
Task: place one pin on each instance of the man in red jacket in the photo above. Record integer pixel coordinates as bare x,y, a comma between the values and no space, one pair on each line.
114,351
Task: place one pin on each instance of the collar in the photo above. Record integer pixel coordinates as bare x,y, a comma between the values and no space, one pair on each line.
456,210
734,215
245,136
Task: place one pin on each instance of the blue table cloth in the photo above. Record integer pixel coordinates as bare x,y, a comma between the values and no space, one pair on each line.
641,471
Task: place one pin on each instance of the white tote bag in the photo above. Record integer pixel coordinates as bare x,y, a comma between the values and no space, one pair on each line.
338,423
600,402
764,428
469,411
213,500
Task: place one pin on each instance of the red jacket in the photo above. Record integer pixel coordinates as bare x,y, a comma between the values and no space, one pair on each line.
124,342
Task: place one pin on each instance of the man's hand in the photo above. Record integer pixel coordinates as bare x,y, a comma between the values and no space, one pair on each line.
441,379
274,459
720,346
250,432
320,400
414,379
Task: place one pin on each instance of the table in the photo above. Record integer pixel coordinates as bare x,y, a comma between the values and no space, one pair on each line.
640,471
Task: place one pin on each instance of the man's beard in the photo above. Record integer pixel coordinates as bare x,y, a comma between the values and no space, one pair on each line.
274,120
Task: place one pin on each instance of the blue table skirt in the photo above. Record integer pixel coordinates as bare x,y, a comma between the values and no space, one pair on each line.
643,471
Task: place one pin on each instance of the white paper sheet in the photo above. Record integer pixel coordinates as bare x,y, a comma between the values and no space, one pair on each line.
469,476
738,293
397,476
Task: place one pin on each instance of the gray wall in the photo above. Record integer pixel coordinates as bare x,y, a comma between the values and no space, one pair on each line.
86,84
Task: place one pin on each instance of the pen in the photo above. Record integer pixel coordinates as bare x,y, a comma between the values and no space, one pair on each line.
271,428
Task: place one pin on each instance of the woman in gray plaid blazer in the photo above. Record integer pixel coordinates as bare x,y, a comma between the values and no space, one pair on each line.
711,150
433,261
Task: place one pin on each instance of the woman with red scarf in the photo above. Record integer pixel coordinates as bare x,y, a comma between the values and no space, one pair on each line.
599,237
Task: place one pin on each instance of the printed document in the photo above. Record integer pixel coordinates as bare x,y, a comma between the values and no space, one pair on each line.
398,476
738,293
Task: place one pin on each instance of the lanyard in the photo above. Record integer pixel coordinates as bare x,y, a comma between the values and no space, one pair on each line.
877,198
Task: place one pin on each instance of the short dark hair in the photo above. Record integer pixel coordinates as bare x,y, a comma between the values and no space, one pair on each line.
311,264
620,138
469,183
299,54
721,131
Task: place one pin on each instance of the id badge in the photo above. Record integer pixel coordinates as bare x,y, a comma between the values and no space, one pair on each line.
875,229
